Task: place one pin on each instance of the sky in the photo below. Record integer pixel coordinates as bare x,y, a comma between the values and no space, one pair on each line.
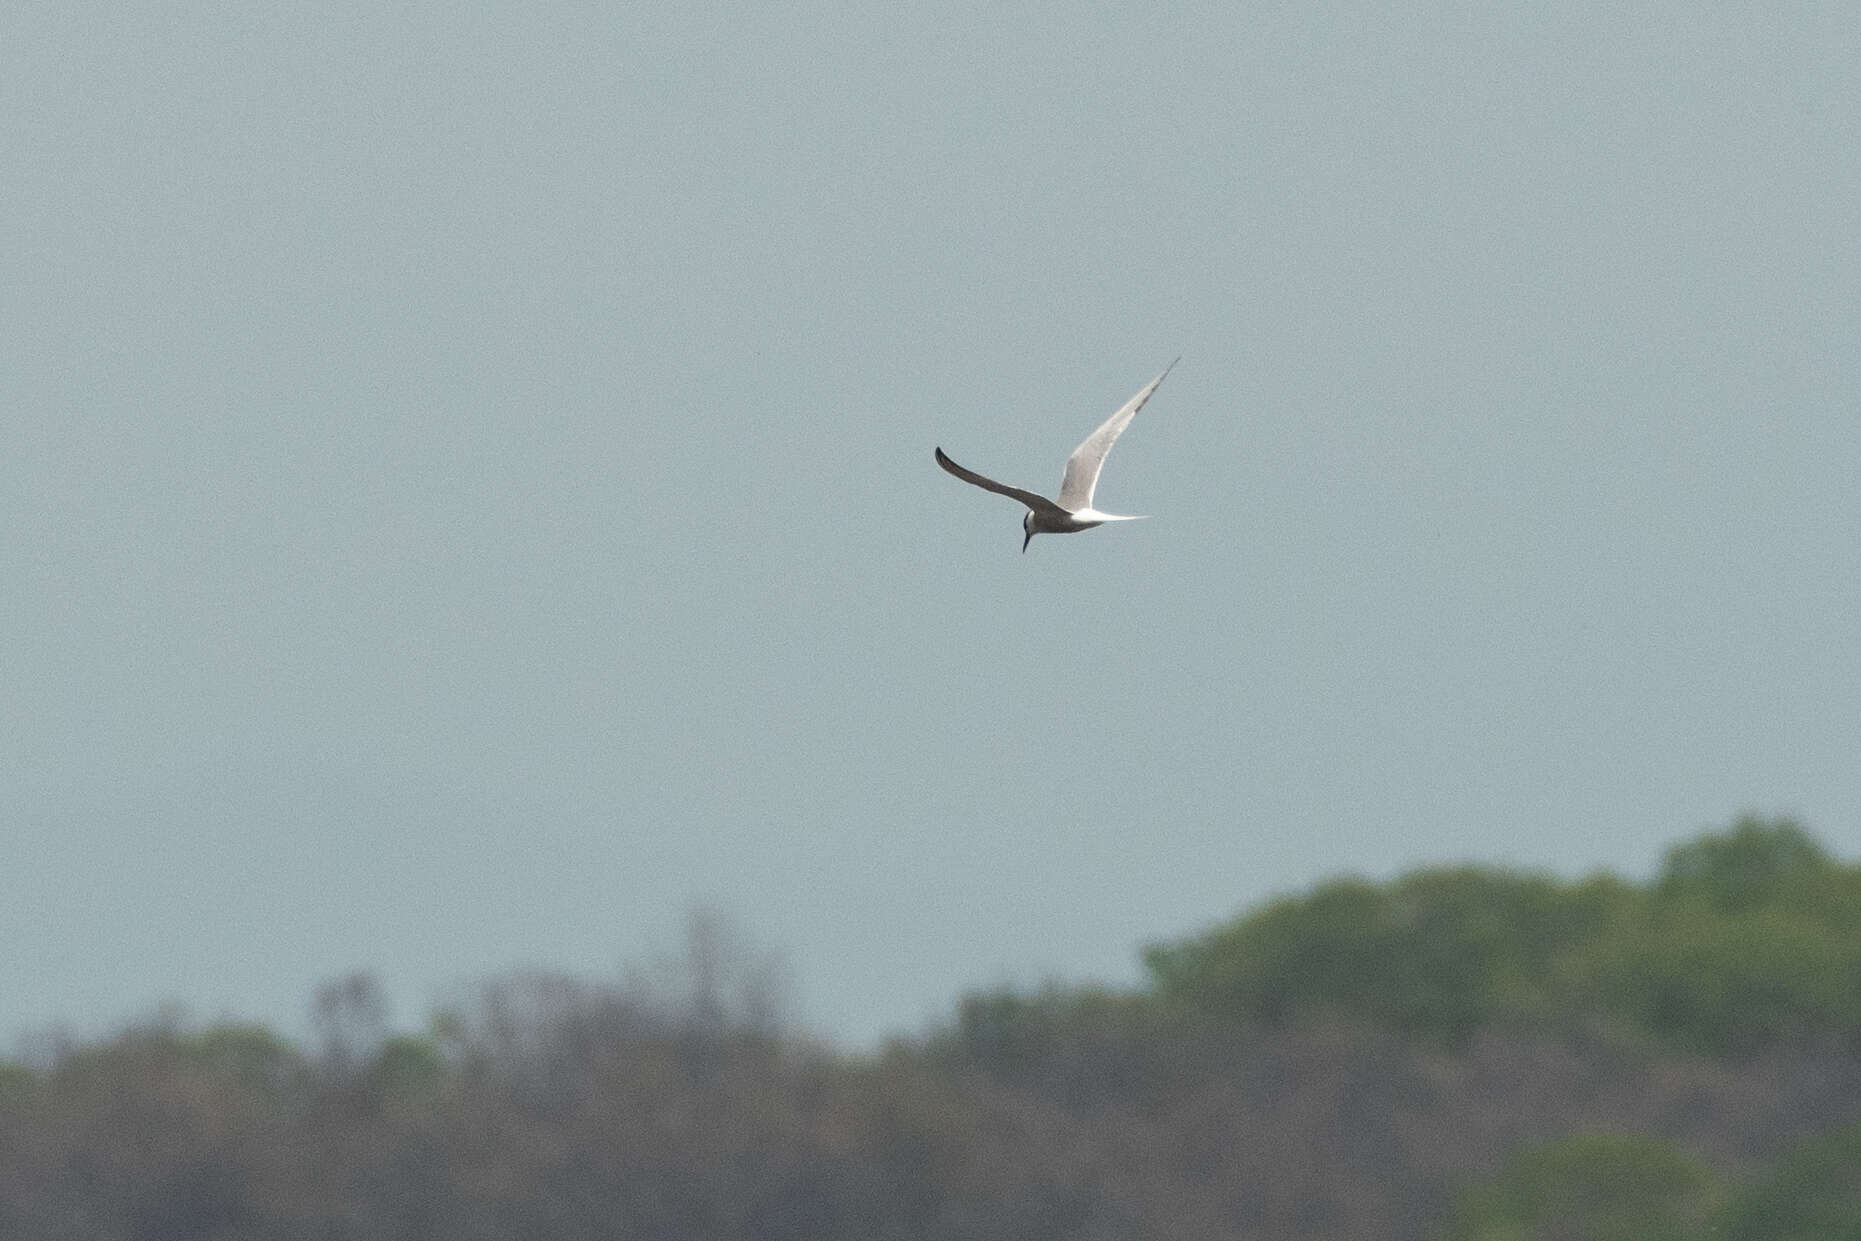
467,495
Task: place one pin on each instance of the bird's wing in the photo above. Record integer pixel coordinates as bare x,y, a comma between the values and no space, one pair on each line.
1040,504
1082,468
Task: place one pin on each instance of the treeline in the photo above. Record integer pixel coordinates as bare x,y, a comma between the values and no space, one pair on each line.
1746,939
1628,1187
1459,1054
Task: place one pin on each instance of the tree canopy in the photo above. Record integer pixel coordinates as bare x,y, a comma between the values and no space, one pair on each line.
1456,1054
1746,937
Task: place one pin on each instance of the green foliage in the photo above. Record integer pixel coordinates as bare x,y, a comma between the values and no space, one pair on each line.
245,1051
1598,1187
1813,1195
1282,1077
1758,862
408,1067
1747,938
1725,984
1437,953
1591,1187
15,1080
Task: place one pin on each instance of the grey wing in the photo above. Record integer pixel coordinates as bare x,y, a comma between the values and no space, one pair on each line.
1040,504
1082,468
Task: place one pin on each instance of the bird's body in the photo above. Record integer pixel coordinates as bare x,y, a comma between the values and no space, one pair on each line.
1073,511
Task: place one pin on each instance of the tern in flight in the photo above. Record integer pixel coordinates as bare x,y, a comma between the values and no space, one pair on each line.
1074,511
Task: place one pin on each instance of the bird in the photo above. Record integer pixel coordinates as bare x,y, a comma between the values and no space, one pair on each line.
1073,511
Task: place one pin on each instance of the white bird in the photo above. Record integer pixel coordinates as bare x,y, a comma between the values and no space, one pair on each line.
1074,511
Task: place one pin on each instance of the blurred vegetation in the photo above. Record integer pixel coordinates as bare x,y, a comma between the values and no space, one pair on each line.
1745,939
1593,1187
1813,1195
1457,1054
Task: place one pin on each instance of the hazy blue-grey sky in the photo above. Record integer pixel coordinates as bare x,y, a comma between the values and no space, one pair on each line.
467,489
